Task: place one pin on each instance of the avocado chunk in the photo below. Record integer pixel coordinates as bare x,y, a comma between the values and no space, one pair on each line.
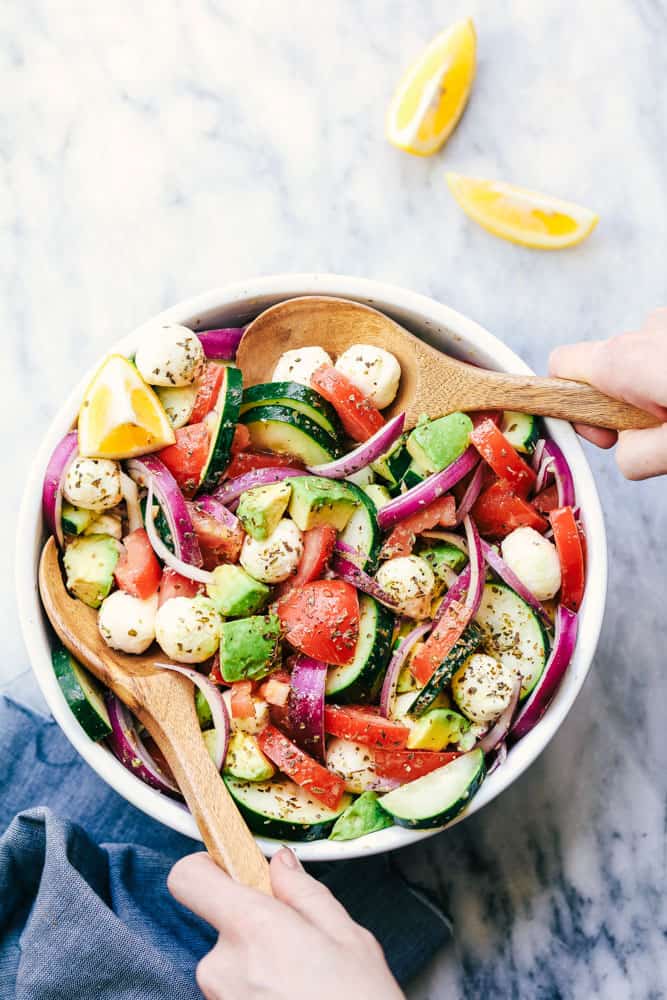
235,593
444,557
435,444
204,714
245,760
248,647
364,815
261,508
75,520
90,561
436,729
317,501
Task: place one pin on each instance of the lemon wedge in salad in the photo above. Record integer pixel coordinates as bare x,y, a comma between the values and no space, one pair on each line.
433,93
522,216
120,415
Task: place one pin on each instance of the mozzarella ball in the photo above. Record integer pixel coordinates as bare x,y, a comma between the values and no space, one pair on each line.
93,483
178,403
482,687
277,557
126,622
106,524
411,583
535,561
300,365
170,355
354,764
253,724
374,371
188,629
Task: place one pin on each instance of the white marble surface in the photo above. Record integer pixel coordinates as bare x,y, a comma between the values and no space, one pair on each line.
151,150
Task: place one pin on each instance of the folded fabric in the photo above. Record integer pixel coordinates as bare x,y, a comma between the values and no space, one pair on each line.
84,908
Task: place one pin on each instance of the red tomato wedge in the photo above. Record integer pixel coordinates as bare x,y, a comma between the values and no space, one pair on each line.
546,500
217,540
440,642
275,689
360,418
173,584
207,391
248,461
402,540
505,461
138,571
498,510
301,768
366,726
318,545
406,765
571,554
185,459
241,439
243,707
479,416
321,619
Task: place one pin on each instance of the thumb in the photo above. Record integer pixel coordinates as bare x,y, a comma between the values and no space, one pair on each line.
293,885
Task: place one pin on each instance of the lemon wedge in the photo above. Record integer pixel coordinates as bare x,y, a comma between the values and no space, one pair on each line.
120,415
432,95
522,216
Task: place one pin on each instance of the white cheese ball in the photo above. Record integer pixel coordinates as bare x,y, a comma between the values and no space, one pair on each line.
188,629
126,622
93,483
482,687
374,371
277,557
300,365
354,764
253,724
170,355
411,583
535,561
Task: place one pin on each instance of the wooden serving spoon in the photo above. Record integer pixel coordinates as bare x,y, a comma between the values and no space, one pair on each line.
431,382
164,702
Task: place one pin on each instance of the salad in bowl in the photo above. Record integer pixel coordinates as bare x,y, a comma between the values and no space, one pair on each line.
372,614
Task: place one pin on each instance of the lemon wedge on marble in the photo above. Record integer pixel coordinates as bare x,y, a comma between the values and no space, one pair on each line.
522,216
120,415
433,93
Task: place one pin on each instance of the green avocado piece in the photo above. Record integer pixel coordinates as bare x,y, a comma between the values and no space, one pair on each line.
235,593
90,561
261,508
444,556
248,647
245,760
363,816
436,729
75,520
317,501
204,714
435,444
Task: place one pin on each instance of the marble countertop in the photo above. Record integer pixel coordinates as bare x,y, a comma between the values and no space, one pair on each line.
150,151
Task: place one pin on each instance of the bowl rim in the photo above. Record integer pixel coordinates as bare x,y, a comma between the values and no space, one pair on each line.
435,320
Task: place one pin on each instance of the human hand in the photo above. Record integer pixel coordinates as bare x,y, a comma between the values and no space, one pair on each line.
631,367
296,945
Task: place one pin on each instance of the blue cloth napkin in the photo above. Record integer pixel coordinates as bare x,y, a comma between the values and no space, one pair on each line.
84,908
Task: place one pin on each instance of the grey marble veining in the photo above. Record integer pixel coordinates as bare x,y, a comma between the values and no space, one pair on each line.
149,151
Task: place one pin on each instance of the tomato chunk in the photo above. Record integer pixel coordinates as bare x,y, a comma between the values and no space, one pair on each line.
248,461
243,707
505,461
363,725
303,769
208,391
318,546
440,642
402,540
321,619
406,765
498,510
275,689
571,554
546,500
173,584
138,570
218,541
360,418
186,458
241,439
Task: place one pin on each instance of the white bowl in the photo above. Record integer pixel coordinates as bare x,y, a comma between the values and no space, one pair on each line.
234,305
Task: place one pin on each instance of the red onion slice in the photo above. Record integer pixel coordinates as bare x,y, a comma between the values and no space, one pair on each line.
132,506
425,493
305,707
390,683
536,459
475,565
501,569
554,461
499,759
348,571
216,703
217,510
222,344
163,553
127,746
455,593
150,471
52,491
498,732
233,488
366,453
472,492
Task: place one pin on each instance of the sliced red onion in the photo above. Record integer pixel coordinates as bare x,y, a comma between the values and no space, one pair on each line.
222,344
498,732
348,571
475,565
127,746
536,458
165,554
233,488
554,460
472,492
388,692
499,759
52,491
501,569
366,453
150,471
455,593
217,510
216,703
565,638
131,498
431,489
305,706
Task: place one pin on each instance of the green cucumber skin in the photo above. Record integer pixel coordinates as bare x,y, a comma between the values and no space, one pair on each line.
292,418
366,685
88,719
448,814
522,440
218,459
282,393
467,644
365,501
281,829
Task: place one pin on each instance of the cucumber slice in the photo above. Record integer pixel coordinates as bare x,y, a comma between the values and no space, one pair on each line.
288,432
75,520
297,397
466,645
513,633
83,693
521,430
227,410
282,810
392,465
413,476
438,797
361,531
359,681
